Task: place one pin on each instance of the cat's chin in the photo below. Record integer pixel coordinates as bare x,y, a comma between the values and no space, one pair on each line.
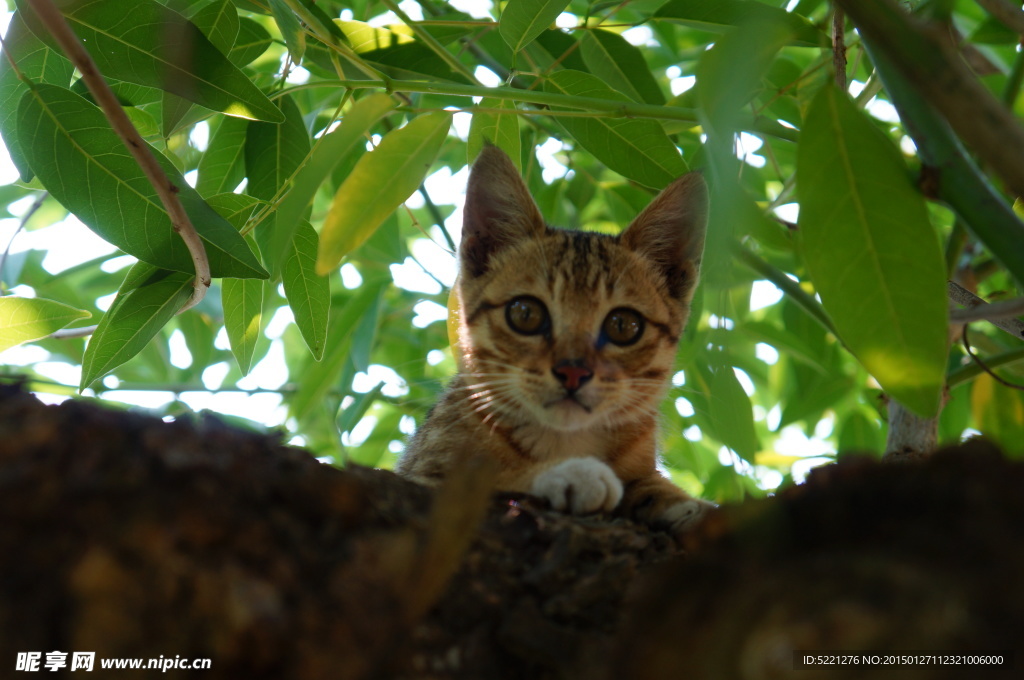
567,414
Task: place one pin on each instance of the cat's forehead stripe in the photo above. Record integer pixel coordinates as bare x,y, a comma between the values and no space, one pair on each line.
580,259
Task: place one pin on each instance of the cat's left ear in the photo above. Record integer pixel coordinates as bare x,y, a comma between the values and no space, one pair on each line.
499,210
670,233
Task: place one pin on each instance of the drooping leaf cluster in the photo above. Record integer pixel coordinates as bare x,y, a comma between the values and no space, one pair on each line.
303,136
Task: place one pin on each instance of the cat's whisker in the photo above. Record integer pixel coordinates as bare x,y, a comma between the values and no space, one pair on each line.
500,364
486,384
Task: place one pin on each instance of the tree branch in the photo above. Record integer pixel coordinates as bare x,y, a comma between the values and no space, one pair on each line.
1006,13
921,52
910,436
999,314
961,184
119,121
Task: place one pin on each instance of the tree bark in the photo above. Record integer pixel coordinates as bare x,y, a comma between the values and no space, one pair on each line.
130,537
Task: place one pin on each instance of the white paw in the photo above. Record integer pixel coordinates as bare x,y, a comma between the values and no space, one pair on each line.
684,515
580,485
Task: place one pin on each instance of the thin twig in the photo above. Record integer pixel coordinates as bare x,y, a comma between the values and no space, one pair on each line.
119,121
839,46
971,371
38,203
977,360
995,313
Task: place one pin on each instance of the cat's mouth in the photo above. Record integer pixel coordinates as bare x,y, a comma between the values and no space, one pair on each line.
569,401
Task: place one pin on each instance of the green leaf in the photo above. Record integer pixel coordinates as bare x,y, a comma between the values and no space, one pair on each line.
219,23
131,40
731,414
35,61
393,50
318,19
554,49
729,75
146,301
501,129
242,300
252,41
308,293
523,20
809,401
274,151
327,153
348,418
235,208
27,319
380,182
638,149
200,332
128,94
871,251
363,37
84,164
222,166
859,433
173,110
785,341
290,29
621,65
723,15
316,385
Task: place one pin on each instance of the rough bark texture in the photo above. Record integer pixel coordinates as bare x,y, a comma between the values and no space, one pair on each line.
131,537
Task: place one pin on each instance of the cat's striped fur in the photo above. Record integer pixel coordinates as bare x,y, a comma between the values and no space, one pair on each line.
567,346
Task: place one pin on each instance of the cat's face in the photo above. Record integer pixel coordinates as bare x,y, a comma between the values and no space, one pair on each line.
571,330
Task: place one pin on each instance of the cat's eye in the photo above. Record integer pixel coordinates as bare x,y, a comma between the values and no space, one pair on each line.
623,326
527,315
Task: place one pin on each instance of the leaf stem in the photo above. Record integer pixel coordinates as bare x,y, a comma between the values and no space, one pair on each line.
69,333
786,285
621,109
119,121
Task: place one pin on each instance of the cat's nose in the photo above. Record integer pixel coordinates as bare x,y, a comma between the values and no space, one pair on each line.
572,373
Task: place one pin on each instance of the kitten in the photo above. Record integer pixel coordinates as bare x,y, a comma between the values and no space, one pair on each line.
568,340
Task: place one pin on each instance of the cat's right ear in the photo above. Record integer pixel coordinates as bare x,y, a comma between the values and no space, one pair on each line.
499,210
